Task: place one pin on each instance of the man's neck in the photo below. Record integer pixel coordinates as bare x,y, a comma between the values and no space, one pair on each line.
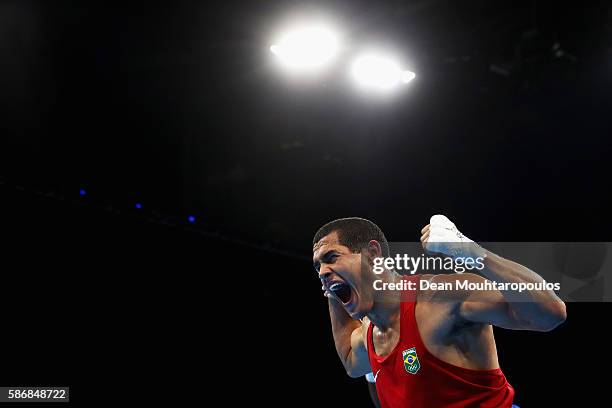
386,310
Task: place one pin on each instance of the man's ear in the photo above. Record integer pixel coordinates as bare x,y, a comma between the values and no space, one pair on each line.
374,249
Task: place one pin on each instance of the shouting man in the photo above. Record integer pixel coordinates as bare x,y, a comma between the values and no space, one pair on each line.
425,348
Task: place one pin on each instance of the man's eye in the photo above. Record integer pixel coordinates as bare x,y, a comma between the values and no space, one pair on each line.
328,259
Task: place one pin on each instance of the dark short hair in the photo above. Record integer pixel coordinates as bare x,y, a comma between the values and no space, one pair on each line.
354,233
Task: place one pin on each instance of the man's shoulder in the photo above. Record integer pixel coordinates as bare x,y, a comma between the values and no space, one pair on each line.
365,324
438,309
442,290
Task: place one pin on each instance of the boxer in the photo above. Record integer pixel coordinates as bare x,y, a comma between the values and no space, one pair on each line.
423,350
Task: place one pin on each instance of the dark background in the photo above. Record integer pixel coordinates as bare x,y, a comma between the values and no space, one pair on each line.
178,106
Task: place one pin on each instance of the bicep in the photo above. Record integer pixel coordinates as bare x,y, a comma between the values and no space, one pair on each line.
496,313
490,308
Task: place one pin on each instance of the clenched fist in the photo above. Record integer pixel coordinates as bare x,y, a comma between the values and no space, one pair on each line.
442,237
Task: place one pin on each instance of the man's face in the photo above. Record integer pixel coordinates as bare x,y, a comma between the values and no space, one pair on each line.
341,273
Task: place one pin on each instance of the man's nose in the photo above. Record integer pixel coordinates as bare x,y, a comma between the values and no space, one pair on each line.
324,272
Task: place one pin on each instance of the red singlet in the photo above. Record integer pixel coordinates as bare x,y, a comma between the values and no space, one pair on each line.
410,376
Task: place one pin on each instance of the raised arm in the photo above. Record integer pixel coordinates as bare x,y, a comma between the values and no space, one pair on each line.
537,313
349,340
539,310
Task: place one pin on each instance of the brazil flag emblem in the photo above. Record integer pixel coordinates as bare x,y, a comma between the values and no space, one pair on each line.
411,360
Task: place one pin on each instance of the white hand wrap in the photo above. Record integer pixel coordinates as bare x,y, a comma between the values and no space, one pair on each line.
446,239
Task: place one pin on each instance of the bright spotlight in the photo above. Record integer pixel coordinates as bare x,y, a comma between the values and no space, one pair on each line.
379,73
408,76
306,47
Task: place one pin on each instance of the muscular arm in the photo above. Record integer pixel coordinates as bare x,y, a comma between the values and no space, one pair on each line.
529,310
539,310
349,340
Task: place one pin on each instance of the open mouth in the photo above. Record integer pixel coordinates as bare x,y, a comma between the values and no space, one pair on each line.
342,291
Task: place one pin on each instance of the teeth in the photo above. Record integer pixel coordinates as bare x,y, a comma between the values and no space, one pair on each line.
335,286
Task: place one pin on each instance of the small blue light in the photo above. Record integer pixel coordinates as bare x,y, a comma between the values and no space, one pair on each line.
191,219
138,206
82,192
